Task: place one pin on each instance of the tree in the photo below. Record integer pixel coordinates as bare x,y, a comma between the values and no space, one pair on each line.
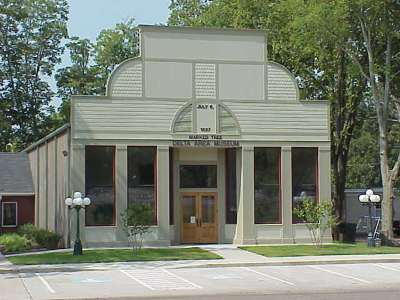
81,78
92,64
30,37
318,218
115,45
380,29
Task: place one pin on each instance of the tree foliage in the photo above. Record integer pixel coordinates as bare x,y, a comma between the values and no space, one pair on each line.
31,32
92,63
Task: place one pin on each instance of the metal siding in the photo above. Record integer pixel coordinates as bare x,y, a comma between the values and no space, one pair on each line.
127,80
51,184
280,84
123,119
62,181
183,122
42,186
285,121
205,81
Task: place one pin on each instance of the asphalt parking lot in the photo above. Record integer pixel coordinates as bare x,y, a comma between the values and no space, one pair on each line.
155,282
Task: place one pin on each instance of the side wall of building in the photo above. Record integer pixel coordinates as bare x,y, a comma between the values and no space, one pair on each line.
49,160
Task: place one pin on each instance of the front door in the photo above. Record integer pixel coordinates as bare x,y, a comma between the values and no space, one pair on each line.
199,217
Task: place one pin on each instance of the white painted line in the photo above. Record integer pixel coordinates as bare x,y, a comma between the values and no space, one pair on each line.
269,276
137,280
340,274
183,279
46,284
387,268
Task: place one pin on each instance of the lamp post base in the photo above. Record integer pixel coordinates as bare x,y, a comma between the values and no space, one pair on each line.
78,248
371,241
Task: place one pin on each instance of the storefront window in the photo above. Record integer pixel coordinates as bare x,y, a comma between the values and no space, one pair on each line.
9,210
142,177
267,185
304,176
198,176
99,179
231,192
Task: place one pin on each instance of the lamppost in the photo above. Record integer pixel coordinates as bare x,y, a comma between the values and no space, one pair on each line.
370,199
77,203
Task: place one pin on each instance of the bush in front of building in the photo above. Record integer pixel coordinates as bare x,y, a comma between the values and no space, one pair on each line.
318,218
43,238
136,221
14,243
28,230
47,238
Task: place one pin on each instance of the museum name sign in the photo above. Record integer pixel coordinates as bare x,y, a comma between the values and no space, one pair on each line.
205,140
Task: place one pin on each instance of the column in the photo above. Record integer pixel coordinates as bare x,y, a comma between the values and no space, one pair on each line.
163,195
121,188
245,230
324,180
286,187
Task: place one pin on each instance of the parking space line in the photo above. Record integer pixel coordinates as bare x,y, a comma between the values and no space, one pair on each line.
387,268
45,283
183,279
340,274
137,280
269,276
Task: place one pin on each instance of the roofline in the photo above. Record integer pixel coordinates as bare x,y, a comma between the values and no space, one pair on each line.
16,194
144,28
47,137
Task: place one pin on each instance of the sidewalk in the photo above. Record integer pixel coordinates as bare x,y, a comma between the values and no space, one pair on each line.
232,257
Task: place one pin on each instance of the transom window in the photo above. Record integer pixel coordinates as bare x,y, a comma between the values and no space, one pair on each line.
198,176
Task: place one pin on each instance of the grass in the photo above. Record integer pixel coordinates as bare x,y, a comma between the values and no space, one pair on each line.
114,255
329,249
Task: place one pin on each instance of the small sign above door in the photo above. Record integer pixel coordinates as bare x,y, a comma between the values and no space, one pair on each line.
206,118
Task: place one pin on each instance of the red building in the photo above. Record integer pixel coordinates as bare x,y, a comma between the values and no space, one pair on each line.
17,196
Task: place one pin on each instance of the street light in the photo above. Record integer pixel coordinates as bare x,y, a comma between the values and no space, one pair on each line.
77,203
370,199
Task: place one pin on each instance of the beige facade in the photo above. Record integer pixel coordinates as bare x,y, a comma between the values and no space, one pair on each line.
191,94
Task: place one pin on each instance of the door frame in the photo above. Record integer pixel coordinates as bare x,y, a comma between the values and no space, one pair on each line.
198,195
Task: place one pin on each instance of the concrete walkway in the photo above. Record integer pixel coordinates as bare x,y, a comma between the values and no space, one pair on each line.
232,257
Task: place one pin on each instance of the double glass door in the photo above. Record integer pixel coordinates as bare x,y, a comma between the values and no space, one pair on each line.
199,217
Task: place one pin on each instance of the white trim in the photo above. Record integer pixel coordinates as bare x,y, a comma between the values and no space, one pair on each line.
16,194
16,213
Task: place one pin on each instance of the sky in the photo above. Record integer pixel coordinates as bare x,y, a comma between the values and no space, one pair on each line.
88,17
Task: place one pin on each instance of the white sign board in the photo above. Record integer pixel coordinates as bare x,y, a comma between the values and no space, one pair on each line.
206,118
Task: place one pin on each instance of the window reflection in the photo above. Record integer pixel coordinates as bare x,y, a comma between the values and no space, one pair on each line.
141,176
304,176
99,179
267,185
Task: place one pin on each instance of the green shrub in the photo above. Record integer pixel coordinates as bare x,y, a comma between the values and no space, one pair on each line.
27,230
44,238
47,238
13,243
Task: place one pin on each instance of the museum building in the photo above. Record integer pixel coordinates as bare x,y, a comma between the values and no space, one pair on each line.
203,128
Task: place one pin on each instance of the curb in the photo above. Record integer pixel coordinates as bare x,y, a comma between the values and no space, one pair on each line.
38,269
293,263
